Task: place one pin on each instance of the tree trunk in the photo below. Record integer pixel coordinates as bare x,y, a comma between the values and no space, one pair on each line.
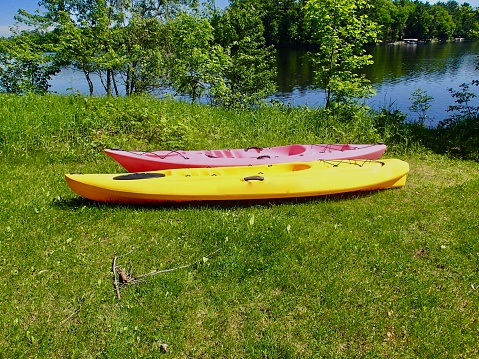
127,82
108,82
114,84
88,79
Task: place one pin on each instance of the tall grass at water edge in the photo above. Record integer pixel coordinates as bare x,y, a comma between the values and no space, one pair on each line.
74,126
385,274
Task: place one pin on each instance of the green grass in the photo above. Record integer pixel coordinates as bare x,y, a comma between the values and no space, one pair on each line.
384,274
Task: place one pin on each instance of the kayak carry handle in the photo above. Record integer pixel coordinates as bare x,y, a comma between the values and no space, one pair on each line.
254,178
263,157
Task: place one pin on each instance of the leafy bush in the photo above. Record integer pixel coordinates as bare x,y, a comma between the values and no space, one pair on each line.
460,139
346,123
463,110
460,132
400,135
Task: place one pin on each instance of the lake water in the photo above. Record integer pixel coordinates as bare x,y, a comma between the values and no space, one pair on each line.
397,72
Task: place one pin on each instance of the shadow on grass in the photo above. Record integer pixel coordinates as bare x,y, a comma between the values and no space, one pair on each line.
460,141
458,138
79,203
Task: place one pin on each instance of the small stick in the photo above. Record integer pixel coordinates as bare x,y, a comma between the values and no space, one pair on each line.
126,279
123,255
169,270
70,316
161,271
115,281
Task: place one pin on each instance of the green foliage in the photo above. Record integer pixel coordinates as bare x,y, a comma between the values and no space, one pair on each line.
125,44
346,123
141,45
134,123
463,109
459,139
469,26
250,74
25,64
77,47
420,23
421,102
460,132
80,35
134,46
339,33
75,128
383,13
443,27
282,20
152,46
196,65
395,131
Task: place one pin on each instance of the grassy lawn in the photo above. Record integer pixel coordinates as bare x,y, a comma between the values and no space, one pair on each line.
391,273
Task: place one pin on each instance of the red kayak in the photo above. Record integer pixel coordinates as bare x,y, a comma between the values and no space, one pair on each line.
135,161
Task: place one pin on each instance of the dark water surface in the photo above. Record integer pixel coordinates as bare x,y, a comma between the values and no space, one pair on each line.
398,70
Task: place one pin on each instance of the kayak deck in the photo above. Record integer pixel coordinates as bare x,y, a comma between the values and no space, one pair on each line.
137,161
298,179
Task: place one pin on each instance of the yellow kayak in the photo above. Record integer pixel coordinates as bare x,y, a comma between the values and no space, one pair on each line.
297,179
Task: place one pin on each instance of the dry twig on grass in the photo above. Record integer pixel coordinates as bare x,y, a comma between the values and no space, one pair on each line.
115,282
121,278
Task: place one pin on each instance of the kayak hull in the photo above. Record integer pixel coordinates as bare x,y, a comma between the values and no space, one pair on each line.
135,161
298,179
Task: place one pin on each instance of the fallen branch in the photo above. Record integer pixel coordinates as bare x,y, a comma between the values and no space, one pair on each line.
115,282
155,272
70,316
121,278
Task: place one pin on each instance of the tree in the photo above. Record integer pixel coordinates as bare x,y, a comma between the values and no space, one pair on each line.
251,72
419,23
141,44
340,33
196,65
26,64
85,36
77,46
116,39
382,12
464,111
442,26
150,44
469,27
282,19
421,102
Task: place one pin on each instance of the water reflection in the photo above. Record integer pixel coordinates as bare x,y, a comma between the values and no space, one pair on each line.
398,71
